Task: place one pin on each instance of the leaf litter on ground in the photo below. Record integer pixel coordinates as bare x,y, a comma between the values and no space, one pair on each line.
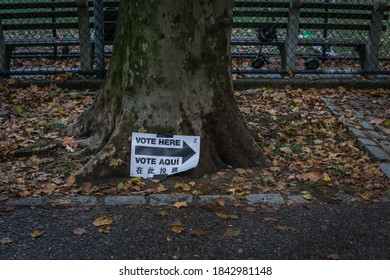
309,149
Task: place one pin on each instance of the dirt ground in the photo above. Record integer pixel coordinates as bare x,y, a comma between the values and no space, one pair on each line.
309,149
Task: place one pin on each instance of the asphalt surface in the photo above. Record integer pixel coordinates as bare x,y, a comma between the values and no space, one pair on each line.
312,231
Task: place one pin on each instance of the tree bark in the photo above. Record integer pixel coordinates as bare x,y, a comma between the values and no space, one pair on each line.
169,73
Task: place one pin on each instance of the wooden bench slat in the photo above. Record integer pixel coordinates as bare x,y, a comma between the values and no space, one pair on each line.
47,41
305,5
41,15
42,26
322,15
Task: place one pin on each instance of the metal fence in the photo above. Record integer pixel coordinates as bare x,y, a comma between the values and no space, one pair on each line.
273,39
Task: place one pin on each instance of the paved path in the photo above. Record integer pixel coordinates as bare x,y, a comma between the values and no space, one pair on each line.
365,118
301,231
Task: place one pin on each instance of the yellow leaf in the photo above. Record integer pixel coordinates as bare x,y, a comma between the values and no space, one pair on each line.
177,227
180,204
192,183
326,177
36,233
162,214
307,150
307,196
102,221
105,229
184,187
179,121
59,110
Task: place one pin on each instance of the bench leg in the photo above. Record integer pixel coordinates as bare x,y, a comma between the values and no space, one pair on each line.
86,54
289,49
4,52
370,55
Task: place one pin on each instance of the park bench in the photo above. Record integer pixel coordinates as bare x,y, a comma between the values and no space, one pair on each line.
48,19
296,15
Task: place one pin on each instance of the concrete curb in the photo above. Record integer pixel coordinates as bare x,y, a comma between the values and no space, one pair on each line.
368,139
157,200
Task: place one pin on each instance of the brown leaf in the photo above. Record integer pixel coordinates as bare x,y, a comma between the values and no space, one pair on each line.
286,150
222,201
311,176
6,240
239,179
333,256
198,232
286,229
160,188
79,231
222,215
250,209
231,233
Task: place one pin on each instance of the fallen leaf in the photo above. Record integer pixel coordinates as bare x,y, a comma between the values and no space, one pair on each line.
286,229
290,202
222,201
222,215
286,150
250,209
231,233
239,179
198,232
241,171
162,214
377,121
333,256
71,180
326,177
307,196
79,231
120,187
180,204
311,176
105,229
177,227
160,189
102,221
6,240
184,187
36,233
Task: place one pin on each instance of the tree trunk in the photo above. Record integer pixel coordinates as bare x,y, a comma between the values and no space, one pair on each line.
169,73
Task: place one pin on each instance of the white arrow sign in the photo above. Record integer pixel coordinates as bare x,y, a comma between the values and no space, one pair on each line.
160,155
